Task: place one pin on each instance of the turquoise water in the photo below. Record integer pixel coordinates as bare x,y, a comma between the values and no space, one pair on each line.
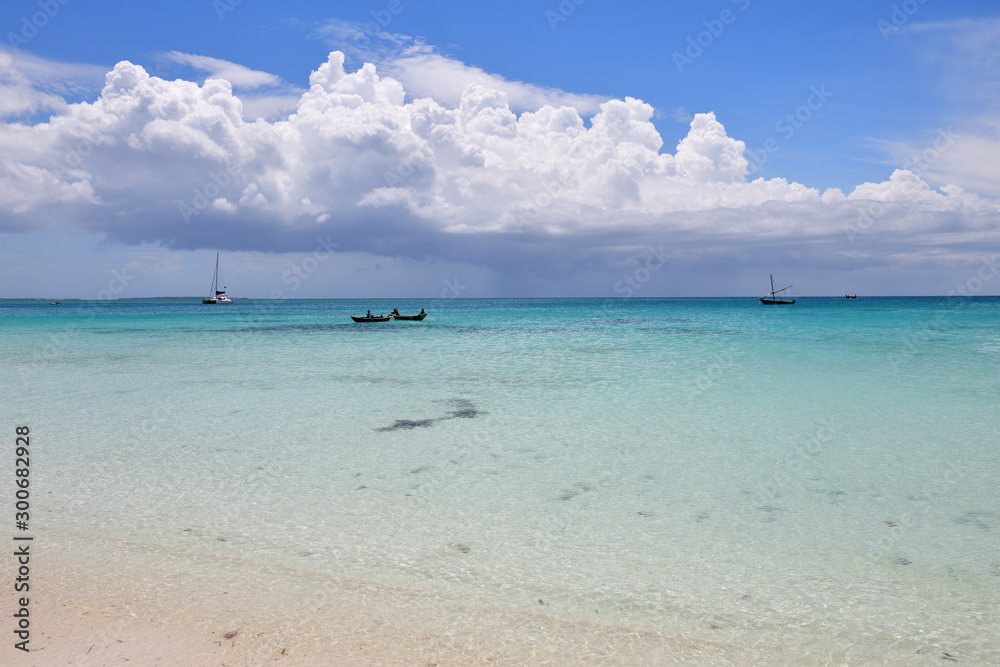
822,477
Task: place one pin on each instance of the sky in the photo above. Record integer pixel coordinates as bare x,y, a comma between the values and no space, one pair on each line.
408,149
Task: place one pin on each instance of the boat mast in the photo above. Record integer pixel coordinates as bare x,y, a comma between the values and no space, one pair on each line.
215,278
771,274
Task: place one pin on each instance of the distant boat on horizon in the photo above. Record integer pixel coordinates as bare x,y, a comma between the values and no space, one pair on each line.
769,299
216,295
848,296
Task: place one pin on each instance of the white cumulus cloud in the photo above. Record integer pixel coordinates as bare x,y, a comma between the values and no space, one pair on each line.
238,75
29,84
471,178
425,72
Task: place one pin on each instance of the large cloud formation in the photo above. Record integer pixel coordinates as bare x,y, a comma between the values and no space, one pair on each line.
176,162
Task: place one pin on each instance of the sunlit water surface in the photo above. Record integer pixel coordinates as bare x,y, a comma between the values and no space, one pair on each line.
822,476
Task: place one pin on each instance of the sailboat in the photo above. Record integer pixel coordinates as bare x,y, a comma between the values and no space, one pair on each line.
217,295
769,298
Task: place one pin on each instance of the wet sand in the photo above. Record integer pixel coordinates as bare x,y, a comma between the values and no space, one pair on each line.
150,605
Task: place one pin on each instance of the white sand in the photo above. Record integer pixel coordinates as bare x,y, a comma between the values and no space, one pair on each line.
147,605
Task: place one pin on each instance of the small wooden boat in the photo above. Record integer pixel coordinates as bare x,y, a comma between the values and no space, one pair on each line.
769,299
373,318
848,296
415,318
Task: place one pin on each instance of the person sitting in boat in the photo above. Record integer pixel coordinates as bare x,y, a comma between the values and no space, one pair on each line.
395,311
421,311
369,314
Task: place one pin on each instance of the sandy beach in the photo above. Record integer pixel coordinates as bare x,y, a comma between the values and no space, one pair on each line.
149,605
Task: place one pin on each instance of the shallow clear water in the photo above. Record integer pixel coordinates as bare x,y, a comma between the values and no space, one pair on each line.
823,476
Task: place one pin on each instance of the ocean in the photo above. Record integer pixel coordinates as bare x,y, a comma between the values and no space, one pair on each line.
815,483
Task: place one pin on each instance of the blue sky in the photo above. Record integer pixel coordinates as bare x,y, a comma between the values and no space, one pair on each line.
845,147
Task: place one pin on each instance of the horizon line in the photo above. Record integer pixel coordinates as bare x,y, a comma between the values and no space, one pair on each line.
490,298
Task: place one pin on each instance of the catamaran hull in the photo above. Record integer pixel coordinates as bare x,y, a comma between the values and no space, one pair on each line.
220,296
